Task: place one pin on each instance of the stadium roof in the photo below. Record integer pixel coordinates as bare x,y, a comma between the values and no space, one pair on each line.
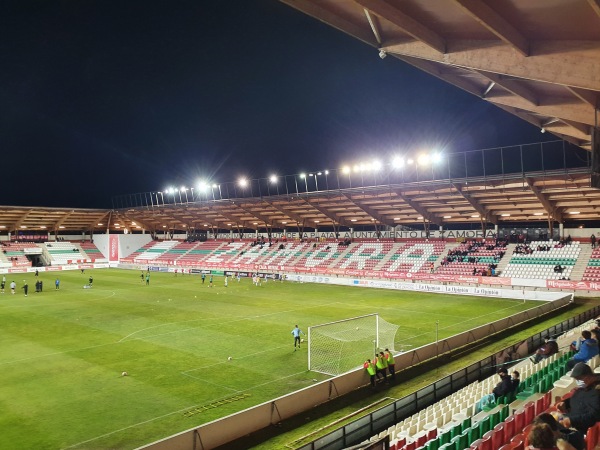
560,196
537,59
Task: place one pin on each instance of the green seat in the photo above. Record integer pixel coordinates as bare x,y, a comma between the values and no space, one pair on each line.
474,434
466,424
461,441
444,438
434,444
484,425
504,413
455,431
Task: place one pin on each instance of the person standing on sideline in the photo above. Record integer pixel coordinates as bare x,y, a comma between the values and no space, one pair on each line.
148,279
226,280
238,277
296,332
370,368
37,273
210,281
2,286
203,277
57,284
13,286
25,287
391,363
380,367
142,276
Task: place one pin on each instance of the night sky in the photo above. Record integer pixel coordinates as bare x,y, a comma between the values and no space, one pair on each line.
101,98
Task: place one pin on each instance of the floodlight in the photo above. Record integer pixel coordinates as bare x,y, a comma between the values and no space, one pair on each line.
327,172
345,169
183,189
352,220
410,161
575,212
202,186
273,178
317,221
283,222
436,157
215,186
319,173
397,162
382,54
376,165
356,168
303,176
310,174
505,215
243,182
538,214
447,217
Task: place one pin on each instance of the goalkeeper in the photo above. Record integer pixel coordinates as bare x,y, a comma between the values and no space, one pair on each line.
297,332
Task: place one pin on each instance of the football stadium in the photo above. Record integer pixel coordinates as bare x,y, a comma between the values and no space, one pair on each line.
429,300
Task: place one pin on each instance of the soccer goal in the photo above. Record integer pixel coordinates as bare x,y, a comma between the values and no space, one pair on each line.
337,347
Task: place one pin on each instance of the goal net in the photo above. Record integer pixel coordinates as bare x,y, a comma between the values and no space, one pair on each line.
338,347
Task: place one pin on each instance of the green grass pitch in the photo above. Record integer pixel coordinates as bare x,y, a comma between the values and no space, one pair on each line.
63,352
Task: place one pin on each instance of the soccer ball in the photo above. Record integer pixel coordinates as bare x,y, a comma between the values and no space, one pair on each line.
357,328
301,340
229,358
124,374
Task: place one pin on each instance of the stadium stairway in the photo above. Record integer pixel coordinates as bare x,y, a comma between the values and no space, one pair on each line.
581,264
510,249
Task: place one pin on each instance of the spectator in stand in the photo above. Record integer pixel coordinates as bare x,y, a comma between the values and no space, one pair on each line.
515,380
549,348
582,409
542,437
566,439
505,385
588,348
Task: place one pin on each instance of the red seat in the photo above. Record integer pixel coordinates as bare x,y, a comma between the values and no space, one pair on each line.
499,439
519,421
592,436
486,441
509,428
518,442
529,410
411,446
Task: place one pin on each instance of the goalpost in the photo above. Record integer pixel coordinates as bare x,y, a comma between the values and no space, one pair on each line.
338,347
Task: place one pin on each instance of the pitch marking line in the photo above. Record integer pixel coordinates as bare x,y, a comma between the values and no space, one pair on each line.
163,416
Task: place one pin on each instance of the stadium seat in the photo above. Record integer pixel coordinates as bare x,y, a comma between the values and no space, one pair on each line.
499,438
518,442
592,436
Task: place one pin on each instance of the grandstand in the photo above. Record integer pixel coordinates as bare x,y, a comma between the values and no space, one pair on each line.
433,228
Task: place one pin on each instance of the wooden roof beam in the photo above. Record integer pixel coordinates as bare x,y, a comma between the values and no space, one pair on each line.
500,58
595,4
495,23
511,85
334,217
295,217
586,96
483,213
551,210
406,23
420,210
371,212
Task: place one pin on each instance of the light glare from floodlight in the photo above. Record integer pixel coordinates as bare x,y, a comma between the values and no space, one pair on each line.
243,182
397,162
303,176
327,172
273,178
436,157
423,160
345,170
376,165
